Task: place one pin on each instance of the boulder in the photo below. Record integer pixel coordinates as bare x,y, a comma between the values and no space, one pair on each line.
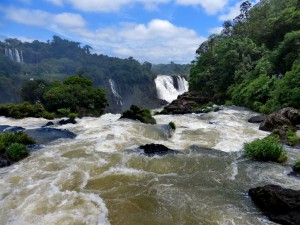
67,121
45,135
6,128
257,119
287,116
48,124
279,204
156,149
187,103
4,161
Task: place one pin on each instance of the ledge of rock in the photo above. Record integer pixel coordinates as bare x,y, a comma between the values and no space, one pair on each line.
257,119
156,149
279,204
289,117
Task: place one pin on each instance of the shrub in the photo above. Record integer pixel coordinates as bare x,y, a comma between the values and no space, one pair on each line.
137,113
6,139
72,115
292,138
16,152
296,166
267,149
172,125
63,112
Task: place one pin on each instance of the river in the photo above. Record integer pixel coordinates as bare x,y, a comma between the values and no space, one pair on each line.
101,178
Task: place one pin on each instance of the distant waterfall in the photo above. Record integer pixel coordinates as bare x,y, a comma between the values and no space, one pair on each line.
14,55
169,87
113,87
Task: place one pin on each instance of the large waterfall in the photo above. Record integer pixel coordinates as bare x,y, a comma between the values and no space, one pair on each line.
117,96
169,87
14,55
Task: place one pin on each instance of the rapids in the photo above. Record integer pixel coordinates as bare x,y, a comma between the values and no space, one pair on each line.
100,178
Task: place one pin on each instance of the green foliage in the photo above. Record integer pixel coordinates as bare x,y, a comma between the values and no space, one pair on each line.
72,115
255,61
16,152
172,125
292,138
137,113
22,110
19,137
267,149
32,91
296,166
76,95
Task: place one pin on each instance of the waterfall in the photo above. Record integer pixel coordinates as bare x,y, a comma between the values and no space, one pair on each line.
22,59
14,55
169,87
18,58
113,87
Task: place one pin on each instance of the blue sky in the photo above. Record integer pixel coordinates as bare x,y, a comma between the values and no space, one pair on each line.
157,31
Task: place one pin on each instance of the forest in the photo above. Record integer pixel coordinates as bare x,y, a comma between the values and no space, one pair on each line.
255,61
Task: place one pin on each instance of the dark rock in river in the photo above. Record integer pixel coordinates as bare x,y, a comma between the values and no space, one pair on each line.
257,119
287,116
187,103
4,161
45,135
156,149
6,128
67,121
48,124
279,204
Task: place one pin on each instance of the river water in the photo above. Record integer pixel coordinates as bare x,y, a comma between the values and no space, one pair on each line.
101,178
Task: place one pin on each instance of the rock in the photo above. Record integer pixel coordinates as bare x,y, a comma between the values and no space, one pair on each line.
4,161
293,115
67,121
48,124
45,135
286,116
279,204
294,174
156,149
187,103
6,128
257,119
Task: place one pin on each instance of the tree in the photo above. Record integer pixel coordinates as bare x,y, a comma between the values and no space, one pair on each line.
32,91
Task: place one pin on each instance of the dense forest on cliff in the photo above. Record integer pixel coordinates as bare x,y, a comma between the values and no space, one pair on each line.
255,61
59,58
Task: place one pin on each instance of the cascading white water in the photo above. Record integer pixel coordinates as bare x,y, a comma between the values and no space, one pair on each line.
18,58
113,87
166,89
14,55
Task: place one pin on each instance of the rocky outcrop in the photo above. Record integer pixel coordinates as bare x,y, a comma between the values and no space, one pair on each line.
67,121
156,149
279,204
45,135
289,117
187,103
257,119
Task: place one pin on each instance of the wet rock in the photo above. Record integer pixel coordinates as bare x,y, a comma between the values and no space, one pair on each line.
187,103
287,116
45,135
67,121
4,161
294,174
279,204
6,128
48,124
156,149
257,119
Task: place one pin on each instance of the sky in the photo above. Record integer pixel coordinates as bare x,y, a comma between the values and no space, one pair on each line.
157,31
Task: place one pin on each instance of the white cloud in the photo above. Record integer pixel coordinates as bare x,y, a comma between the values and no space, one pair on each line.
106,5
215,30
158,41
210,6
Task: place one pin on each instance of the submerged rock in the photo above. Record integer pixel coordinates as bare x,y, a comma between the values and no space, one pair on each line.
257,119
48,124
156,149
279,204
45,135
